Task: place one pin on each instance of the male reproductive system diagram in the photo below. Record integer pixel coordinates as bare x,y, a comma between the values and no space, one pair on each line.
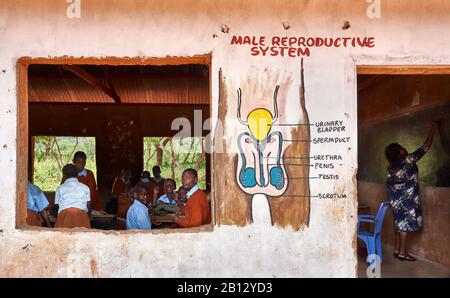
272,149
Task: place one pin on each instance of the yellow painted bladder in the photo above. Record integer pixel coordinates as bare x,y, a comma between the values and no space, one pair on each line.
260,123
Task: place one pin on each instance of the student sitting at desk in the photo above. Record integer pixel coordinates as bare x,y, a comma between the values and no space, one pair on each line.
137,215
157,179
124,202
196,211
146,181
36,204
120,186
167,204
121,183
169,196
145,177
157,182
73,199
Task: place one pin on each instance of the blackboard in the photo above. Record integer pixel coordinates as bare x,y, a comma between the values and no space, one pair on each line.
410,131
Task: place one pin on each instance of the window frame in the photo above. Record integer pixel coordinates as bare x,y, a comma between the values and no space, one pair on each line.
22,130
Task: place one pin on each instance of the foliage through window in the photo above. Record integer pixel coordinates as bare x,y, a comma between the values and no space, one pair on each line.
52,153
174,155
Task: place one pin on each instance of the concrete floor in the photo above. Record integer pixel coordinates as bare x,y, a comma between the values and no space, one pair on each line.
392,267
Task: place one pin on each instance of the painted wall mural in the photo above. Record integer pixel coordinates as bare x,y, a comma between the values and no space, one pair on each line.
270,162
260,167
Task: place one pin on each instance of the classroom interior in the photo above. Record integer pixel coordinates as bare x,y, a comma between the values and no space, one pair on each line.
398,105
119,106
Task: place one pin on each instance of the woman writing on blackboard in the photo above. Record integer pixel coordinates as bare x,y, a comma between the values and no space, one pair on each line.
403,191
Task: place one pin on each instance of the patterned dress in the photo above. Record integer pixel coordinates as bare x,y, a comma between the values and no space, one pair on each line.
403,189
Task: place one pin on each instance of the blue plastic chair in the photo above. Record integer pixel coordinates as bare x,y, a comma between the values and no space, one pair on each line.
372,240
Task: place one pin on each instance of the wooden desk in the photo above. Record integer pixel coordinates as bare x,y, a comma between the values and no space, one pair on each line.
163,221
102,216
162,218
104,221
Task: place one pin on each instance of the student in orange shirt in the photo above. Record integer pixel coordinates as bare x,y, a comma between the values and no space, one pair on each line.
86,177
157,181
196,211
121,183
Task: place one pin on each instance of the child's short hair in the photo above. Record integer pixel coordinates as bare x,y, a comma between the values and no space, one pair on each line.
79,154
139,188
145,174
192,171
170,180
70,171
130,192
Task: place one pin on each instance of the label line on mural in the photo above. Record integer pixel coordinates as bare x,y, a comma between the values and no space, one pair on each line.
300,196
293,124
321,176
291,164
322,140
291,157
306,141
333,196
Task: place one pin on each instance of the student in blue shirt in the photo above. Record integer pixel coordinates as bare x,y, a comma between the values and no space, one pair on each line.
137,215
36,204
145,177
169,196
